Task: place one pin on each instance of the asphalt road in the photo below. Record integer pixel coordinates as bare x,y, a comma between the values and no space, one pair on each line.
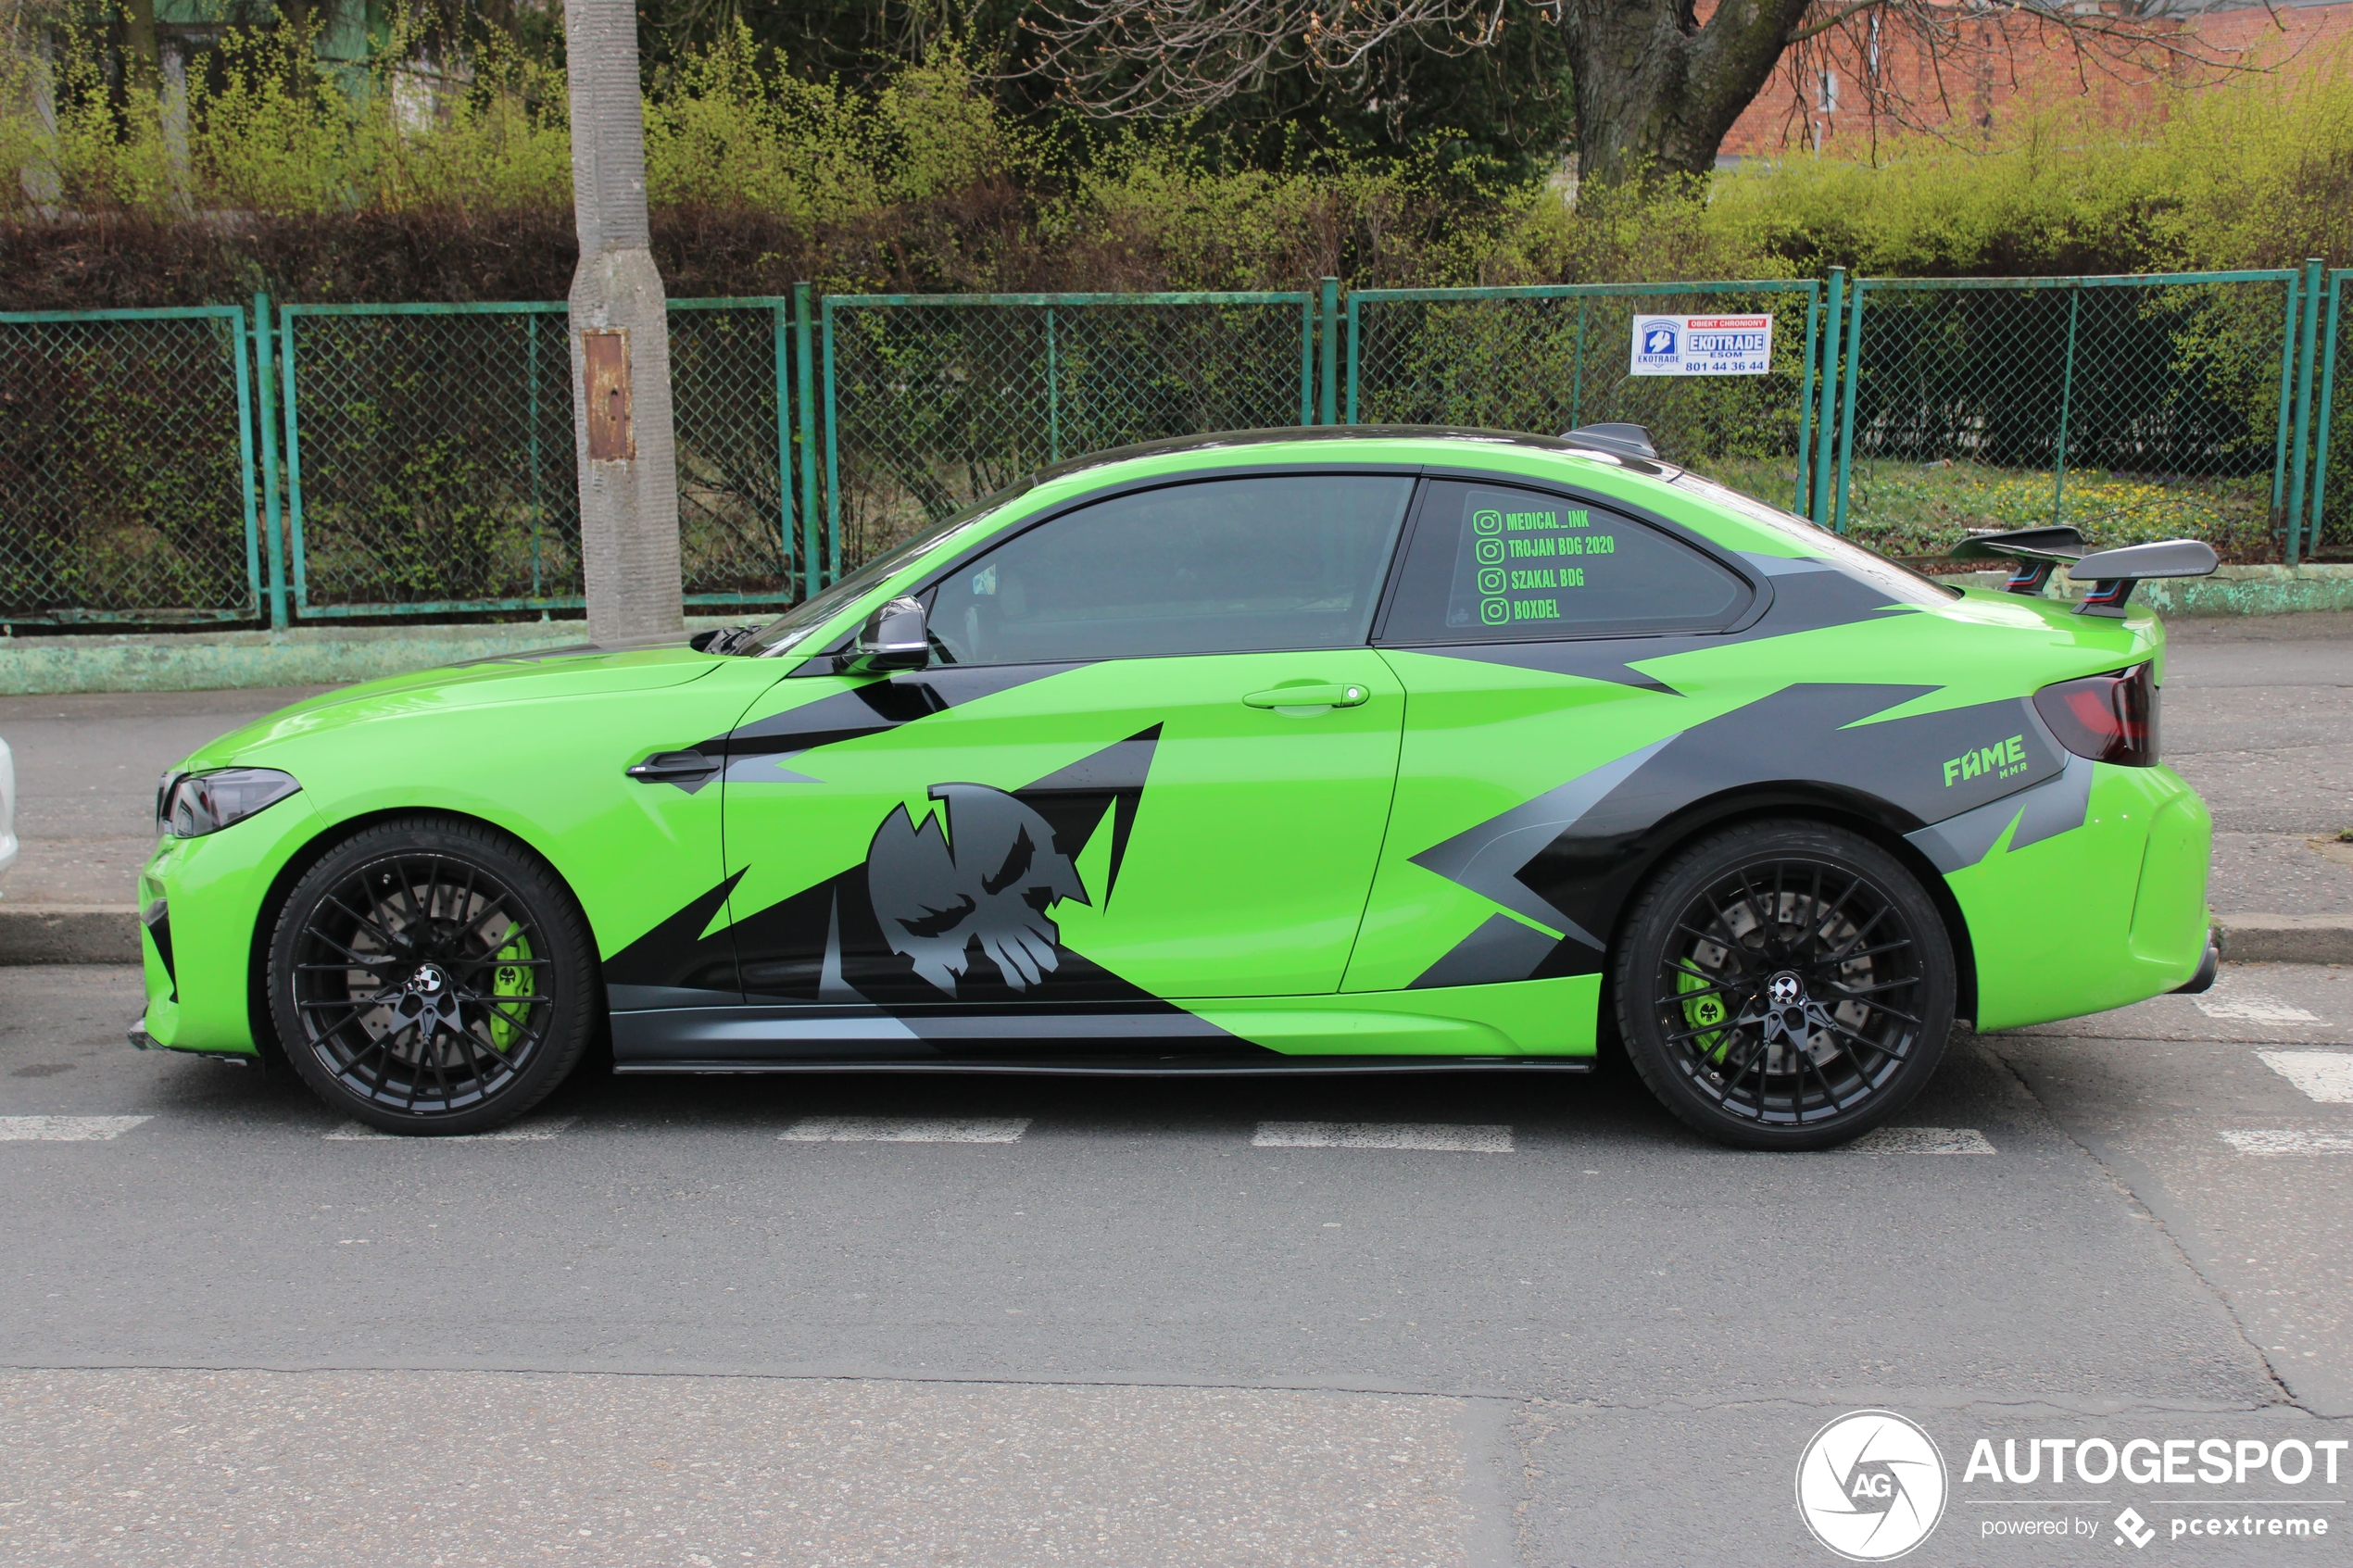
701,1322
719,1320
2258,716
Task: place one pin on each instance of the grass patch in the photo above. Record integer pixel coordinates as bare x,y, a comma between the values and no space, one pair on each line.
1922,510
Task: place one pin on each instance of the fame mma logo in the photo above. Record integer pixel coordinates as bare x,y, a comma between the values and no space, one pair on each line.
2002,761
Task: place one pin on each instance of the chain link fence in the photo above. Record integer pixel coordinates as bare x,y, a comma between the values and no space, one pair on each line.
934,401
428,465
730,417
1550,358
2133,408
429,458
126,468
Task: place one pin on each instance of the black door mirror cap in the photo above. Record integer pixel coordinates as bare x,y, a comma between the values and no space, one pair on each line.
897,636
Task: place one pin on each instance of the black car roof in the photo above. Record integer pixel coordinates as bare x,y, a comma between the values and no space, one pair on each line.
1568,445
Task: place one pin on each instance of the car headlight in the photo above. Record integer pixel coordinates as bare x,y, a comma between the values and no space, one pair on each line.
191,805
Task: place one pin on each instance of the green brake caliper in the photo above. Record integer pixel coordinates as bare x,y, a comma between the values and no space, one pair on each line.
511,978
1704,1013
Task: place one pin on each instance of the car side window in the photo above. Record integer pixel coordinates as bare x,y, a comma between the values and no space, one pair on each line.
1496,563
1244,565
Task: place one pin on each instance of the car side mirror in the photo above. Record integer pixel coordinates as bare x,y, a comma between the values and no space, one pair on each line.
897,636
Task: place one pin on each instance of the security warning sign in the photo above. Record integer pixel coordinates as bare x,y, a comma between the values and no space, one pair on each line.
1702,345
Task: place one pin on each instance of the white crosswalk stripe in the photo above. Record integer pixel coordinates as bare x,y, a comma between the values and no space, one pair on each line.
2326,1076
1920,1140
66,1129
2291,1140
537,1131
1431,1135
906,1129
2252,1009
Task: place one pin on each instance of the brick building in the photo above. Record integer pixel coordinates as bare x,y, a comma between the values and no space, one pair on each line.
2008,64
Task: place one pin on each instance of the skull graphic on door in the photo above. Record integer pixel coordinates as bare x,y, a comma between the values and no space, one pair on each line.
980,873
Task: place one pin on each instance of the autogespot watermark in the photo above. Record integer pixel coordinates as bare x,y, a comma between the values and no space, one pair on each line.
1872,1484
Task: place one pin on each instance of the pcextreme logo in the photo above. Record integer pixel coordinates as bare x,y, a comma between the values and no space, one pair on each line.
2001,759
1871,1485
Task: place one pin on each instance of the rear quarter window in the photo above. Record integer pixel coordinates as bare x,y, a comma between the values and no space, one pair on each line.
1497,563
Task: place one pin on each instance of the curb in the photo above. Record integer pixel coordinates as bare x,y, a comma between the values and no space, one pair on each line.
306,656
2285,939
326,655
65,934
2231,592
109,934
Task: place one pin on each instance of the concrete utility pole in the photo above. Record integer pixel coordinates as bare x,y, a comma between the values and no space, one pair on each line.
620,341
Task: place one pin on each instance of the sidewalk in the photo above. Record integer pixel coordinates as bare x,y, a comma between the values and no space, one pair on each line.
86,772
2258,715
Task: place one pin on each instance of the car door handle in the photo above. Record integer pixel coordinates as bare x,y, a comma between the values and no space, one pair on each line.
673,767
1309,697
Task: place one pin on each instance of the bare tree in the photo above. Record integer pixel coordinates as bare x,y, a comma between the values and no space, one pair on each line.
1657,85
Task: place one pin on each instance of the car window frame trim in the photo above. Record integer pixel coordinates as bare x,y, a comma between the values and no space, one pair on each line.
821,660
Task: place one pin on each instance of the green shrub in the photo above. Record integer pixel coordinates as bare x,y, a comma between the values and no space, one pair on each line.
2254,172
319,184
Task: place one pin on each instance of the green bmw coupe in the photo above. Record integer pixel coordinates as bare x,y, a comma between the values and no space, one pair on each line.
1364,750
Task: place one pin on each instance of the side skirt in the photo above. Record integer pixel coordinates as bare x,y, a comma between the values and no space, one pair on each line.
1151,1038
1142,1067
655,1038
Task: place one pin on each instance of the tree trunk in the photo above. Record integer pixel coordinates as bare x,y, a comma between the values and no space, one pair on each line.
626,450
138,45
1656,89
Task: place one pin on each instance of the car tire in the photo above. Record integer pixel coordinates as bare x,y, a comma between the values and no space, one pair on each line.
431,975
1785,986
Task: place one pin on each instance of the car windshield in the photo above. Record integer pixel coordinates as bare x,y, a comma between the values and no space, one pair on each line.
1899,581
798,623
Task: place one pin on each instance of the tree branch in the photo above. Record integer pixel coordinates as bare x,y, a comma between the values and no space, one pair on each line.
1837,18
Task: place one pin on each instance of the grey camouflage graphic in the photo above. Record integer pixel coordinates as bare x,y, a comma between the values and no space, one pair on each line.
988,880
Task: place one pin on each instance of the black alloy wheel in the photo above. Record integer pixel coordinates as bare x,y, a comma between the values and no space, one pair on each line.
431,975
1785,986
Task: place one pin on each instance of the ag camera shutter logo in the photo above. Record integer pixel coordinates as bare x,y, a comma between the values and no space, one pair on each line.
1871,1485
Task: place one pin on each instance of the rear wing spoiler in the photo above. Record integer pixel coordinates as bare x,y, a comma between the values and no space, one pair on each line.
2034,553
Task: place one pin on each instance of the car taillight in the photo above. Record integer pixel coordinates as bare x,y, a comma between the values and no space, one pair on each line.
2106,718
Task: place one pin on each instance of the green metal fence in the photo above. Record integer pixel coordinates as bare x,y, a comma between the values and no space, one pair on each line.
2328,522
126,468
399,460
429,456
731,416
1551,357
428,459
932,401
2134,408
